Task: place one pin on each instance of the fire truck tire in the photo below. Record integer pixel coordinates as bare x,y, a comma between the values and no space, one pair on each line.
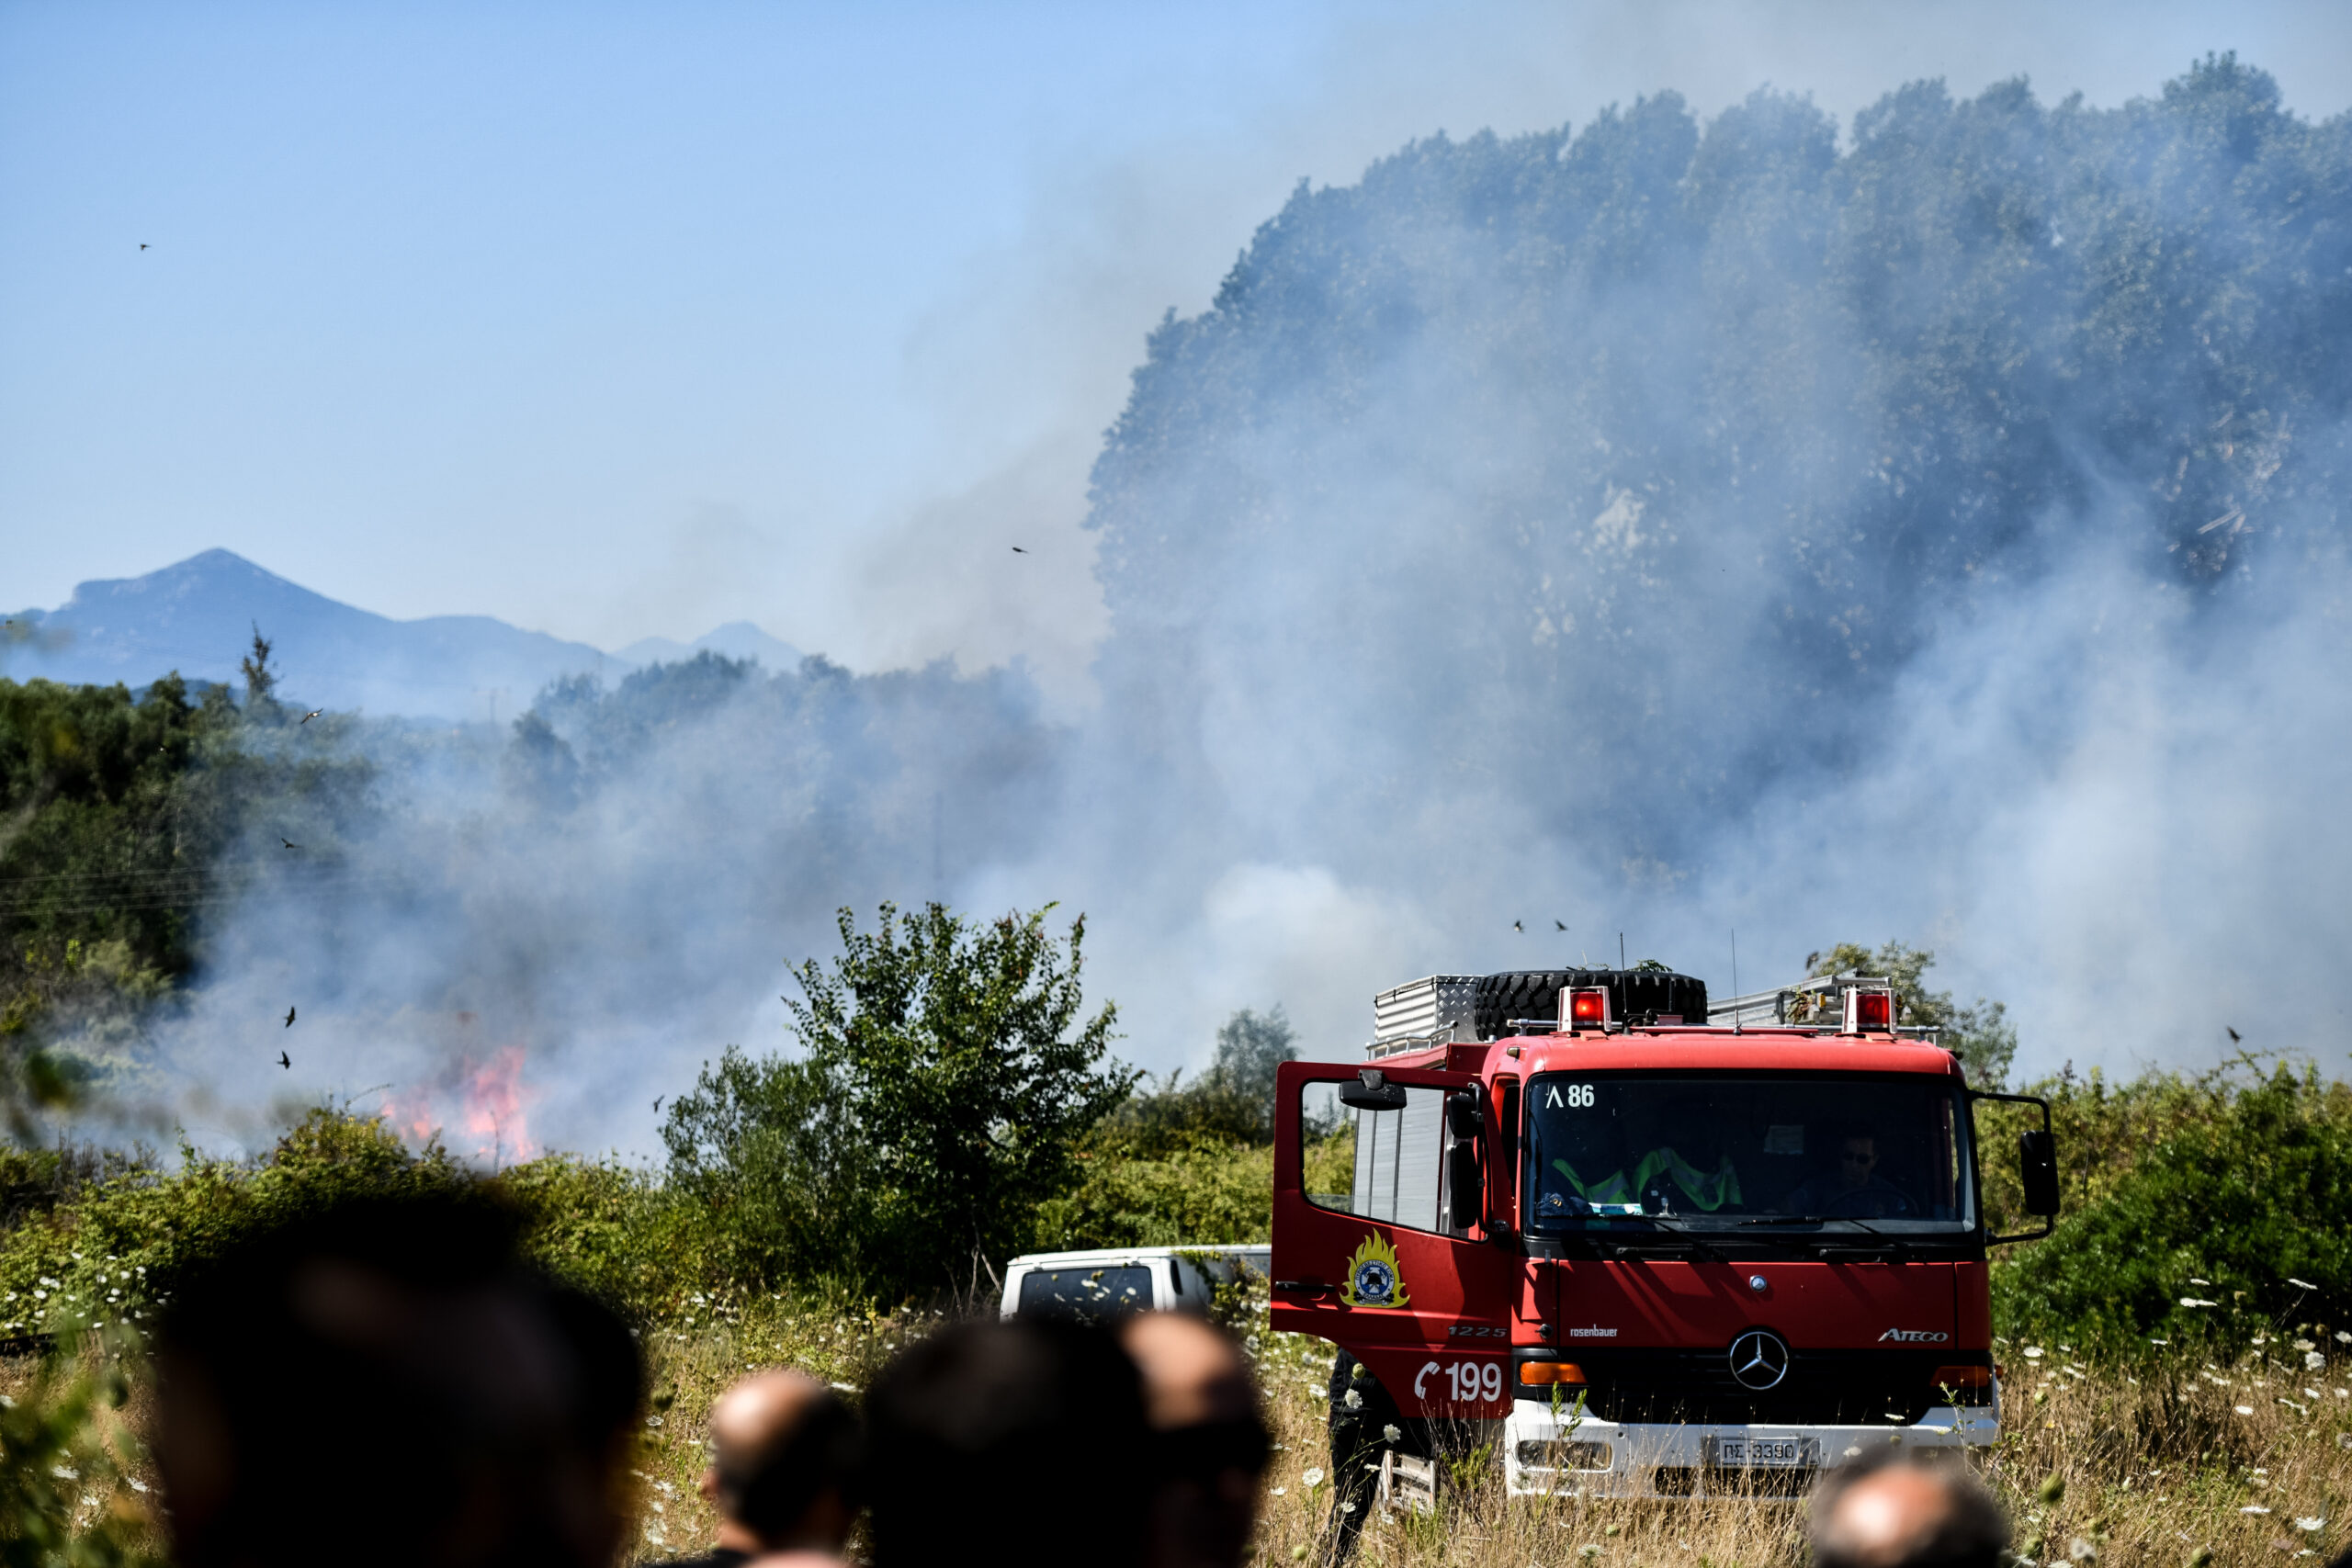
1359,1432
1520,993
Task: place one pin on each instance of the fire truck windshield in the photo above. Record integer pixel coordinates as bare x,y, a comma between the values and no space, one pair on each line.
1603,1150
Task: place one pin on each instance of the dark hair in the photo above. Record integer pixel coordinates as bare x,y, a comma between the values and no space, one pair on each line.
1971,1532
984,1429
384,1379
770,1489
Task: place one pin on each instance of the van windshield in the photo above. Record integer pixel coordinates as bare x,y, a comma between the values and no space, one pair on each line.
1604,1150
1099,1295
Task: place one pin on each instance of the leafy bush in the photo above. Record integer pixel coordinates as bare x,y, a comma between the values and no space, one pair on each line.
2226,1188
948,1082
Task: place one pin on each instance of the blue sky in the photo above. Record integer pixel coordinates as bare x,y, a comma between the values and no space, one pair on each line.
620,320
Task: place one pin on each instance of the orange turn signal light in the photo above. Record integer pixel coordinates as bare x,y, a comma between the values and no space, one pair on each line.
1962,1377
1536,1373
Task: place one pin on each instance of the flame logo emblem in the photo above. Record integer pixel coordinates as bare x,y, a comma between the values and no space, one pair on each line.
1374,1280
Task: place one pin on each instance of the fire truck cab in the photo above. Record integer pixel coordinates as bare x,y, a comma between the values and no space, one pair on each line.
1643,1254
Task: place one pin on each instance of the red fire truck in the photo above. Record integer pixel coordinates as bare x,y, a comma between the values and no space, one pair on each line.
1647,1248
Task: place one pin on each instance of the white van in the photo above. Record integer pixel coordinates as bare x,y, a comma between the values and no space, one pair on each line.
1115,1282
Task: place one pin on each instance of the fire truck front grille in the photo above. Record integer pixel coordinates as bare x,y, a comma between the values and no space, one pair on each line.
1822,1388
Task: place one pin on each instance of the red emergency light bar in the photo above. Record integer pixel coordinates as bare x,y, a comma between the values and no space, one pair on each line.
1869,1010
1588,1007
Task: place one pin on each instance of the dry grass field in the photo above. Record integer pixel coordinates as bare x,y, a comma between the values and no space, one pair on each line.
2246,1459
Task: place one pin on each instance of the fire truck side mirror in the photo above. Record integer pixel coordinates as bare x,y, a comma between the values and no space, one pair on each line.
1466,1193
1463,1117
2038,1155
1373,1091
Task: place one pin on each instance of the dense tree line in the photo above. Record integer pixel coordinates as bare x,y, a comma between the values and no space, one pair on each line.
1618,472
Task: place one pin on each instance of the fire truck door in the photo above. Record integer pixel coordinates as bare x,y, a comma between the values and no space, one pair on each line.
1379,1237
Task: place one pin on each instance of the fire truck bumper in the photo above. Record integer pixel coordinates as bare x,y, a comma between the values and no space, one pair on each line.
1545,1455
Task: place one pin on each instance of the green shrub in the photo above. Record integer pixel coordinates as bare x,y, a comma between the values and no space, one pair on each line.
2244,1184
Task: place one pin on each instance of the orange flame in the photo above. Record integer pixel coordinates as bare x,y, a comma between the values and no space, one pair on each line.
497,1105
493,1108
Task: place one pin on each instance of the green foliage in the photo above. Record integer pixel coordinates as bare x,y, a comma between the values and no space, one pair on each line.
102,1256
948,1083
261,681
66,1457
765,1153
1207,1191
122,821
1232,1102
1982,1036
2239,1178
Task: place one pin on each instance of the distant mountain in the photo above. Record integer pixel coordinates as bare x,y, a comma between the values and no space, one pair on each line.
198,618
736,639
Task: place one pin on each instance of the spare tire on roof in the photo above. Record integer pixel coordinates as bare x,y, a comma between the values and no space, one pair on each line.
1634,995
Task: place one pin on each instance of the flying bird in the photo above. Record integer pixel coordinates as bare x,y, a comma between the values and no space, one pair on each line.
289,1018
2234,1035
284,1061
287,842
310,715
1517,927
657,1103
1019,551
142,244
1558,927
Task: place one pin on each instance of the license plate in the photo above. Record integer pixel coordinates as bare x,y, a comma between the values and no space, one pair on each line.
1763,1454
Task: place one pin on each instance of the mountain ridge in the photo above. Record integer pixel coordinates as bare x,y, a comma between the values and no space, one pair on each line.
198,615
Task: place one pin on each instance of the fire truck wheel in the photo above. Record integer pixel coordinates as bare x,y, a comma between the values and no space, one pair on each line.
1359,1433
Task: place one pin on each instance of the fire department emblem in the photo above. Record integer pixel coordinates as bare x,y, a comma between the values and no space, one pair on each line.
1374,1280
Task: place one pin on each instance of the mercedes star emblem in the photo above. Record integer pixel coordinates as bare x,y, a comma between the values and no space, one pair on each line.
1758,1360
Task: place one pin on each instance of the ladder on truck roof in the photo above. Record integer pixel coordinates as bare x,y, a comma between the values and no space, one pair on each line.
1436,1011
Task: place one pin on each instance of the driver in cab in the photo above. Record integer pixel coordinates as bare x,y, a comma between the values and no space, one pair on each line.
1857,1192
1660,1182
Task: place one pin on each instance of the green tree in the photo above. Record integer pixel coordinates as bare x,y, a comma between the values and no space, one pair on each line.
950,1077
1982,1036
261,681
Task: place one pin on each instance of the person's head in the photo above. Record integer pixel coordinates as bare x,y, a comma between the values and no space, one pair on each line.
783,1448
382,1381
1897,1508
1209,1440
1857,1159
984,1431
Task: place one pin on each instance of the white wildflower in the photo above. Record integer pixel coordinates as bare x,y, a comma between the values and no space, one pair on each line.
2198,1302
64,1472
2195,1281
2034,1352
1352,1400
2305,1345
137,1485
2081,1549
2314,1361
1311,1477
2254,1508
2318,1524
1281,1491
2243,1409
1391,1433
